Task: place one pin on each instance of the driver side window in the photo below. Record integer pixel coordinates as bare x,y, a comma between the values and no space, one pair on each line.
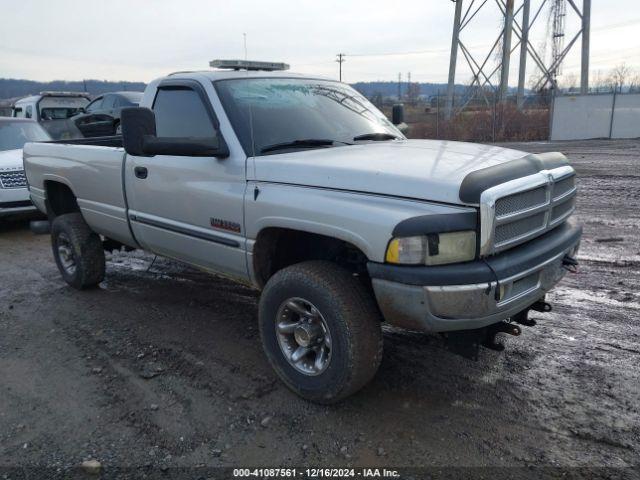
180,112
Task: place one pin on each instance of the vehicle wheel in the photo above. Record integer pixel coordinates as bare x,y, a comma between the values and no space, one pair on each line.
320,330
118,128
78,251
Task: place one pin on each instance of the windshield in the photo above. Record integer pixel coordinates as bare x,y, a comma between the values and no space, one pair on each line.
285,110
13,135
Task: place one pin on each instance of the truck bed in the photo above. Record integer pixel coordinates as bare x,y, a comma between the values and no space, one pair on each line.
92,168
112,141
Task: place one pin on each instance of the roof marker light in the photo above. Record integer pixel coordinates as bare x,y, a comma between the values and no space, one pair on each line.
248,65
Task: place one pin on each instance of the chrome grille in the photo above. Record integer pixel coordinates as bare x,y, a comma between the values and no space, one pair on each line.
521,201
509,232
13,179
521,209
563,186
563,210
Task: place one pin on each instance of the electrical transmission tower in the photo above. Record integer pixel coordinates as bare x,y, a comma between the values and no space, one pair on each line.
558,13
516,25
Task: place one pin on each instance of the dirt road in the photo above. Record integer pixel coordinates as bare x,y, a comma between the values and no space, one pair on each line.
162,366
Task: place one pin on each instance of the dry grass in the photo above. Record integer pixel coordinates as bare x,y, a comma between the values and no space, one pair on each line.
505,123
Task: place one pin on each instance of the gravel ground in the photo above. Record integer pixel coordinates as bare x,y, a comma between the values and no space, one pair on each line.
162,366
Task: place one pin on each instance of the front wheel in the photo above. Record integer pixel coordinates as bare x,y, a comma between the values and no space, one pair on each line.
320,330
78,251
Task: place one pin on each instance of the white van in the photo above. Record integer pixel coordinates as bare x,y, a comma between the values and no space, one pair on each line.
52,110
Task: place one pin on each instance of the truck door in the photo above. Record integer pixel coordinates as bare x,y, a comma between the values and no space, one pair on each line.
189,208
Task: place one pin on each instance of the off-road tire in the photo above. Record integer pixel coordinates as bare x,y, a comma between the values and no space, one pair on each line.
352,316
86,248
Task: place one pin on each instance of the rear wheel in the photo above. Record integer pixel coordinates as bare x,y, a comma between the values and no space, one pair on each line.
320,330
77,251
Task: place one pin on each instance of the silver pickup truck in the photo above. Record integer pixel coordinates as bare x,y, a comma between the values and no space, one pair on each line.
300,187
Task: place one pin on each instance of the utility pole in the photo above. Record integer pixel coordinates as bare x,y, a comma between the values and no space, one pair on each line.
399,86
584,70
455,39
524,43
340,61
506,51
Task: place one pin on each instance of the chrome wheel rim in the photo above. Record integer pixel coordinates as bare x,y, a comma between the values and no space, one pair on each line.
303,336
65,254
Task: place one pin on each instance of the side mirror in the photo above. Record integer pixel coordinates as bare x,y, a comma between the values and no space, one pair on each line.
139,138
397,114
137,123
397,118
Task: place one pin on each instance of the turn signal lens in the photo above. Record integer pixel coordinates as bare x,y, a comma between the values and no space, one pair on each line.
407,250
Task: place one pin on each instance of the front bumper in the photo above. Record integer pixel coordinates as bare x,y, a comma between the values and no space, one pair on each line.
463,296
14,201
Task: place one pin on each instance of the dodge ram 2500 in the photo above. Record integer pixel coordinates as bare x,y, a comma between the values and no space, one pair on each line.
301,187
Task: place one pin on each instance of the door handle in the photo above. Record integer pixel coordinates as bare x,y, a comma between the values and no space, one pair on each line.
141,172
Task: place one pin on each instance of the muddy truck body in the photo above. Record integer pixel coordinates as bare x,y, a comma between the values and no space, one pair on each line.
300,187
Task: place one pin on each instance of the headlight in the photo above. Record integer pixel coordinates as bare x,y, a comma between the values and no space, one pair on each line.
433,249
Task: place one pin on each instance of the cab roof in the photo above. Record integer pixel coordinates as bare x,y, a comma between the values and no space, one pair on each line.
224,74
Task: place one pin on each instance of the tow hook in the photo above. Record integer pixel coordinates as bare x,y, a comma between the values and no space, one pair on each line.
541,306
490,341
570,264
466,343
522,318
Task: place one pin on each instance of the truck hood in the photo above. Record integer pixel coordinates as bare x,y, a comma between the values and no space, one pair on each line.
421,169
11,160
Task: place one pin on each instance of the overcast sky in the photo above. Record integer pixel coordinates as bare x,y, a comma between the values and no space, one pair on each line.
144,39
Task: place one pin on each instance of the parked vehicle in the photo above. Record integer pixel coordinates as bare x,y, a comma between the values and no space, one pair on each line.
14,133
300,187
53,111
6,107
101,117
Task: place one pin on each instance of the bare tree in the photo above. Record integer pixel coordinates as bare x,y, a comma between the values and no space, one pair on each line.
569,82
634,83
600,81
619,76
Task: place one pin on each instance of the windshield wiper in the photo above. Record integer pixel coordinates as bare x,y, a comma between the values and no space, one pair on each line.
303,143
377,136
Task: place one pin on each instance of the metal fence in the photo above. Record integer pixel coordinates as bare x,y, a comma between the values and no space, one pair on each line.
602,115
